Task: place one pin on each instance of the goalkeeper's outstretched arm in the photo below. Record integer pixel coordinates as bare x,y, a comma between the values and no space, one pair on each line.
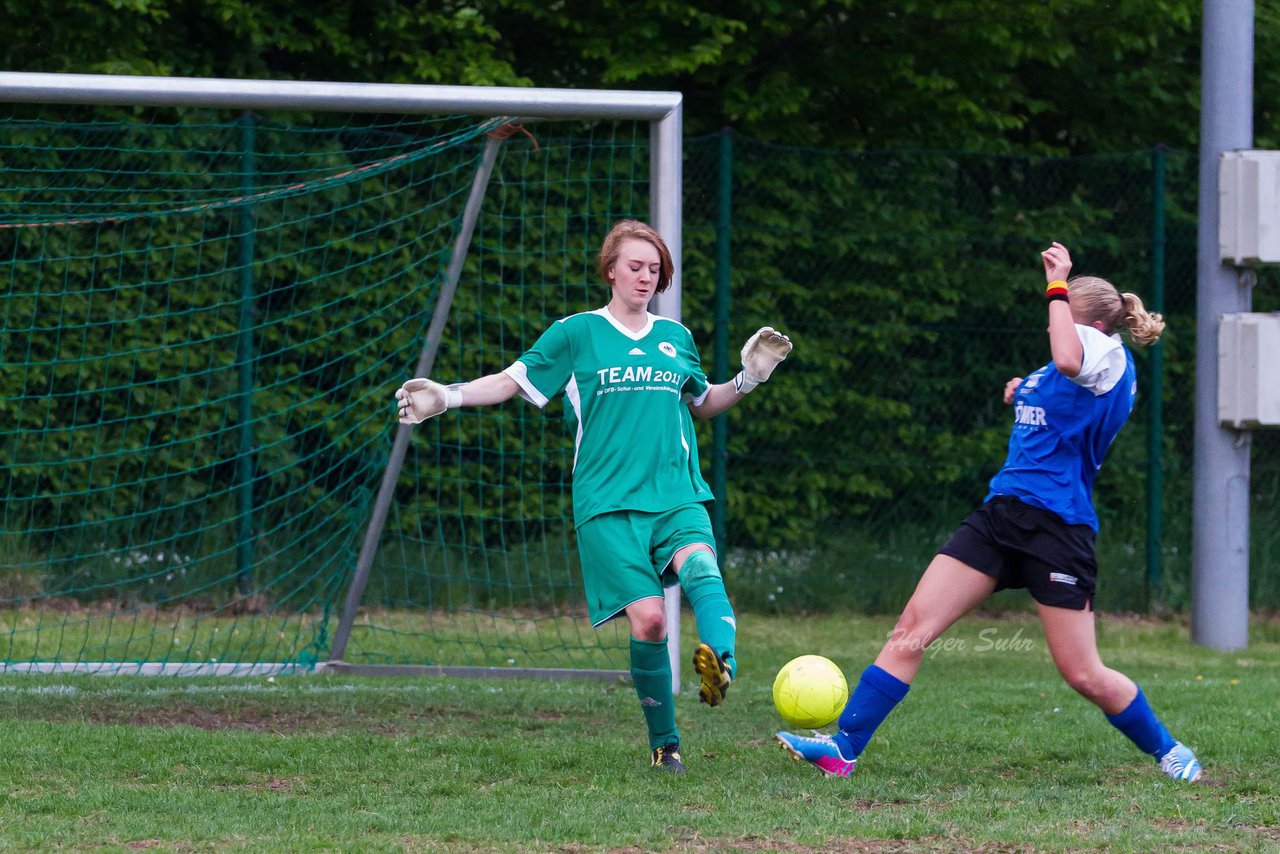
420,399
719,398
763,352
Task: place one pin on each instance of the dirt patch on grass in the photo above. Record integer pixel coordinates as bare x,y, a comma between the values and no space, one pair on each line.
1261,832
282,785
846,845
263,717
287,715
278,720
205,718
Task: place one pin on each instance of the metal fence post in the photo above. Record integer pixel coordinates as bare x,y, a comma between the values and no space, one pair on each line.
244,366
1155,410
720,424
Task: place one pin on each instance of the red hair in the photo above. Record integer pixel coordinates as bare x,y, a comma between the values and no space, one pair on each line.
634,229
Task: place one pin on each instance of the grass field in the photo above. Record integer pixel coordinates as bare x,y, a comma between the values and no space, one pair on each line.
989,752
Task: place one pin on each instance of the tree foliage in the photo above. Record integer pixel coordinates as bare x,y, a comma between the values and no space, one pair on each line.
1075,76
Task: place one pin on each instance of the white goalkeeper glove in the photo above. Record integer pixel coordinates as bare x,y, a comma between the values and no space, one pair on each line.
763,352
420,399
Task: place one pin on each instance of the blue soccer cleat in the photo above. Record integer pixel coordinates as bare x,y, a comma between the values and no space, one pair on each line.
820,751
1180,763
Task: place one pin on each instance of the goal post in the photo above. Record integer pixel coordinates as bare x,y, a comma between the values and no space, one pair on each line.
304,616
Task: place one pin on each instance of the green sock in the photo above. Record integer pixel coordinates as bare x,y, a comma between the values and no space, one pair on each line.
651,674
704,588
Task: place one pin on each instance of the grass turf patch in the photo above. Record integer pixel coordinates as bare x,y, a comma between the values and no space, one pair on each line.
990,751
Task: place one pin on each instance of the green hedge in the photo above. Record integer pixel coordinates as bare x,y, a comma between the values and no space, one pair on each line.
909,281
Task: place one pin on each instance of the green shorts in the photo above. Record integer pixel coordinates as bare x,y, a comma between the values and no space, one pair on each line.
626,555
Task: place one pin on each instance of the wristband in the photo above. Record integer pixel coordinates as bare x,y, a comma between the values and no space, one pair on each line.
744,382
453,396
1057,290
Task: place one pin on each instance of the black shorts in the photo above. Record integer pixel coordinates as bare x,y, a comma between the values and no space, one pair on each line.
1024,546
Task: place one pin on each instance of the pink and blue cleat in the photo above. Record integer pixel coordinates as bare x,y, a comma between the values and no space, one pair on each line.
820,751
1180,763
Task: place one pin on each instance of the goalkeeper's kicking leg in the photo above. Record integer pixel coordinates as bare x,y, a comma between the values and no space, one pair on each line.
651,664
627,558
715,658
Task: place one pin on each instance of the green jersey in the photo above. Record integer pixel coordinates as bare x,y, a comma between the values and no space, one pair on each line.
628,394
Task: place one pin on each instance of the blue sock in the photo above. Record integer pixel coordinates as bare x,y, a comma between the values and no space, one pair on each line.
877,693
1142,727
704,588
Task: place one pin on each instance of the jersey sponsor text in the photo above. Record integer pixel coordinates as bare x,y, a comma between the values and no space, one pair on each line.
1031,416
638,374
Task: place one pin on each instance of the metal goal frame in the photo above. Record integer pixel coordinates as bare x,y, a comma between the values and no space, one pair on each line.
662,110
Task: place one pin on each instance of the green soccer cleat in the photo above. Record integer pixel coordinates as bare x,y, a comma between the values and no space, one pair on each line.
714,673
667,758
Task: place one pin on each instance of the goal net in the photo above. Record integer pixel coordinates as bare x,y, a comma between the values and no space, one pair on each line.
207,312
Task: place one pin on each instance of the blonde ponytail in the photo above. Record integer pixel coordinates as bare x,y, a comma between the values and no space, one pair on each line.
1144,326
1094,299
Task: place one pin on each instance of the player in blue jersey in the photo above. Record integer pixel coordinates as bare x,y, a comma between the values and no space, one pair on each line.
632,381
1036,529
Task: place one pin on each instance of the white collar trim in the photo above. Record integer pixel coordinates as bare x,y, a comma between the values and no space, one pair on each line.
650,317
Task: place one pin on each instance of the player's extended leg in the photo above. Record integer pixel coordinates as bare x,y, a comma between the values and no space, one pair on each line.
947,591
1072,639
715,657
651,676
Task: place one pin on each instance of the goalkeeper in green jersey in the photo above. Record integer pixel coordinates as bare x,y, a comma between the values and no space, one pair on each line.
633,381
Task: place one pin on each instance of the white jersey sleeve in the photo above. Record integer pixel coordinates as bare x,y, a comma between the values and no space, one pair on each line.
1103,363
697,386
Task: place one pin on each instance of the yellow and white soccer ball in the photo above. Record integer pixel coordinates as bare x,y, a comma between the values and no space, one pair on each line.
810,691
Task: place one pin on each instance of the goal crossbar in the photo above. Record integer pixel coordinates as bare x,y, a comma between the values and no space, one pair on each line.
409,98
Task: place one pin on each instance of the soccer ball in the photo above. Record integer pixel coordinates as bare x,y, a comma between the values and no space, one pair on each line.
810,691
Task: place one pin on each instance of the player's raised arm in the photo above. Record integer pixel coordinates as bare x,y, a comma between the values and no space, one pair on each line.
763,352
1064,342
420,398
